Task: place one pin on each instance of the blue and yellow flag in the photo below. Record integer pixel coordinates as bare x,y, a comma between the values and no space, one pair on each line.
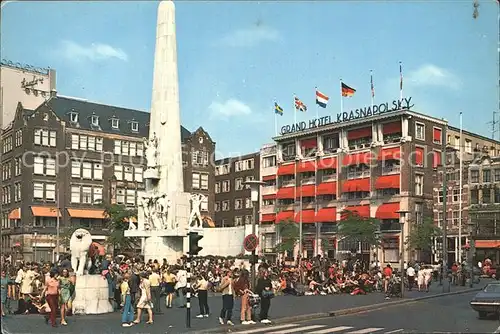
277,109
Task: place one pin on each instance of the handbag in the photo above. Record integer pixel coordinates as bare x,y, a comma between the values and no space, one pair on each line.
267,294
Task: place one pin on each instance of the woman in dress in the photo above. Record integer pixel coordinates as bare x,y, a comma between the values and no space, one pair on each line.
144,302
427,278
64,294
51,292
4,282
420,279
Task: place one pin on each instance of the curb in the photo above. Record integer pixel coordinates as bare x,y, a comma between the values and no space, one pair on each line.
338,313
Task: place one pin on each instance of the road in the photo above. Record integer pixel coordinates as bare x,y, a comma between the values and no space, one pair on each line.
450,314
173,320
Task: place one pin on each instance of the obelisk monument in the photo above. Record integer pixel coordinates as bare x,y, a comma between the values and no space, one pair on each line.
164,208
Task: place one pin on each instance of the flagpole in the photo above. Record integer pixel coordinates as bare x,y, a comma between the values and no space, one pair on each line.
371,88
316,104
341,98
460,198
275,119
294,111
400,81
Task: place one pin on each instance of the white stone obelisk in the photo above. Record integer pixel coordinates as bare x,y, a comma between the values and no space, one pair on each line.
164,207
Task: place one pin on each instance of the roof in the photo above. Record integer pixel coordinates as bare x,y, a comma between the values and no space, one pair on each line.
63,106
224,161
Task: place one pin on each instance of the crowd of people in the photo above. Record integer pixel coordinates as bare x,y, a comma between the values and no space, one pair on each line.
137,287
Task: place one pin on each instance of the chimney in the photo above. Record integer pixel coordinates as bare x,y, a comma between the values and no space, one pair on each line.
52,79
53,93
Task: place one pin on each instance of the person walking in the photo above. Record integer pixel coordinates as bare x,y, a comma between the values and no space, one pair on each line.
242,288
51,292
169,279
410,273
180,286
65,294
226,287
201,287
155,279
144,302
128,308
264,289
4,283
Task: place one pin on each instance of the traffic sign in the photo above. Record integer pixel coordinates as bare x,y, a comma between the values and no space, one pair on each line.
251,242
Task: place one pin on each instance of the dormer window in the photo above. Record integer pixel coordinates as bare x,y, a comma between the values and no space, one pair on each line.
115,123
134,126
95,120
73,117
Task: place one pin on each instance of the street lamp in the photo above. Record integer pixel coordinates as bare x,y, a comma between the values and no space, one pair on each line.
402,220
254,196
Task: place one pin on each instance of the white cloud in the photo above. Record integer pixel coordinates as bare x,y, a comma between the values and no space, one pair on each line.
250,37
229,108
92,52
432,75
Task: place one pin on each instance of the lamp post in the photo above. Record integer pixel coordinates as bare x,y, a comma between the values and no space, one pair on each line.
402,220
34,245
254,196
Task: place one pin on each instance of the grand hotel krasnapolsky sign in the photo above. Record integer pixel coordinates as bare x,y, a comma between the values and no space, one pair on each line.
387,107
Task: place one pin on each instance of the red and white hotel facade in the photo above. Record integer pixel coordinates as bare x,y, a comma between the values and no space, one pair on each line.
375,165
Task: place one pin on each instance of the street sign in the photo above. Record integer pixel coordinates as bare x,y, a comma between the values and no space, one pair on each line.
251,242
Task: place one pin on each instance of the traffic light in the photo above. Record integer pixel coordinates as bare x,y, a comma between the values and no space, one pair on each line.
194,238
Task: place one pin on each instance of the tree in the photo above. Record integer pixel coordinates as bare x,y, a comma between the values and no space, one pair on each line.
289,232
117,217
359,229
422,236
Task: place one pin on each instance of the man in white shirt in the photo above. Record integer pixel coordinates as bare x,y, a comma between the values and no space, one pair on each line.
410,273
180,286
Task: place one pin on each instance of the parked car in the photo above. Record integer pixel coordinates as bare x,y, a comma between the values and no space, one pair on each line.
487,301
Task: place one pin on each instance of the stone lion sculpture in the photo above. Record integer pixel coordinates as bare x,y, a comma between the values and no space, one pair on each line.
79,245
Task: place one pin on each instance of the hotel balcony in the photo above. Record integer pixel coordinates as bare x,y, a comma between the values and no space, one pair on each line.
267,209
308,205
285,207
268,170
268,190
308,180
358,175
386,170
329,178
326,204
288,183
288,157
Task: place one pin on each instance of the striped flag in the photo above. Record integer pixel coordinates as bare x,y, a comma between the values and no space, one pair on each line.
346,91
299,105
371,84
321,99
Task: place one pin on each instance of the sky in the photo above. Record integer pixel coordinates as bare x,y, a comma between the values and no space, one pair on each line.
236,58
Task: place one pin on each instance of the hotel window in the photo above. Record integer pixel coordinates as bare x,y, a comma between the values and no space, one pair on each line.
468,146
119,172
330,144
17,192
238,204
75,194
97,194
138,174
249,164
269,161
486,175
225,205
74,142
196,181
118,147
125,145
497,195
474,196
7,144
115,123
440,196
17,166
87,170
437,135
6,170
38,166
288,151
486,196
50,192
226,186
128,173
50,167
38,190
87,195
97,171
76,169
456,195
120,196
140,150
134,126
238,184
91,143
19,137
130,197
217,187
267,202
474,176
238,220
95,120
132,149
204,204
248,203
248,178
420,131
83,142
419,185
457,143
217,206
497,175
204,181
98,144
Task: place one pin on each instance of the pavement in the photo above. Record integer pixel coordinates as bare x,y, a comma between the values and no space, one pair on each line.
451,314
283,309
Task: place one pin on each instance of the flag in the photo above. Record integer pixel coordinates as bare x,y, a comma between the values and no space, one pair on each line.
371,84
400,76
321,99
299,105
277,109
347,91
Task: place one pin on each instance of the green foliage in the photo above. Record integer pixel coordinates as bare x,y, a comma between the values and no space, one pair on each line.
421,235
65,235
359,229
116,221
289,232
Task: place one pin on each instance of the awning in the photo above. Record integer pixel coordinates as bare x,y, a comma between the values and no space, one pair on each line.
15,214
286,192
359,133
437,135
288,169
360,210
305,191
328,163
307,216
268,217
309,143
269,196
390,128
284,216
327,188
388,211
306,166
358,158
436,161
487,243
356,185
393,153
87,213
45,211
387,182
326,215
269,177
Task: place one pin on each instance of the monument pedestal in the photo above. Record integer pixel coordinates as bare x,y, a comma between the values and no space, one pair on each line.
91,295
158,247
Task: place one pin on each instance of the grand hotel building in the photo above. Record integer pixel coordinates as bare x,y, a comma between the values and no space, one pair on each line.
375,165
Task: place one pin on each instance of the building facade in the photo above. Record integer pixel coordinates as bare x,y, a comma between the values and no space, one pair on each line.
268,171
23,83
233,205
63,160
